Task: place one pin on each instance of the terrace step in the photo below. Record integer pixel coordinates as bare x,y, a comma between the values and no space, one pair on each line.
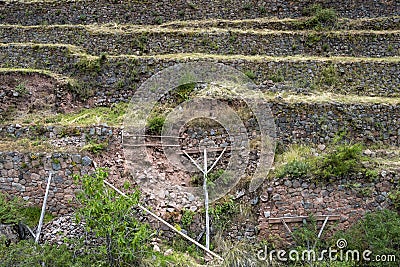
376,24
298,119
103,11
120,75
146,40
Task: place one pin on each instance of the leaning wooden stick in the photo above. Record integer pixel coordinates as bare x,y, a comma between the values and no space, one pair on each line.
167,224
43,210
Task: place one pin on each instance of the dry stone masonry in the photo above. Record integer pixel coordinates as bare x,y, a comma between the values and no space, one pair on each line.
83,54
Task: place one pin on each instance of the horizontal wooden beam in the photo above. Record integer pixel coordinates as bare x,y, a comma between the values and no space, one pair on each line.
301,218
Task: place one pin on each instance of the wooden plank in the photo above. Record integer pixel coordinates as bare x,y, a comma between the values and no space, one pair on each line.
209,149
152,136
151,145
180,151
300,218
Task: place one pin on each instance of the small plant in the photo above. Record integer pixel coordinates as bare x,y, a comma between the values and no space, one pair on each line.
187,217
394,196
250,74
192,5
184,90
222,212
158,20
329,76
89,64
247,6
94,147
276,77
21,89
155,124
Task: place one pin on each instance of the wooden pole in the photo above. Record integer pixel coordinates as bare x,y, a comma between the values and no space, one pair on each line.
43,210
167,224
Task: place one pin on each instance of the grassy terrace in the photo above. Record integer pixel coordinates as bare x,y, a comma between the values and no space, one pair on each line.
114,115
381,23
133,39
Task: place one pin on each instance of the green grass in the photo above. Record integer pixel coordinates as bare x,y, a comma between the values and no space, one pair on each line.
112,116
14,210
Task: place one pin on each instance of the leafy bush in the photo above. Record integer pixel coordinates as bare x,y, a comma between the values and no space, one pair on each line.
110,216
9,209
187,217
378,232
342,161
155,124
294,169
394,196
222,213
319,17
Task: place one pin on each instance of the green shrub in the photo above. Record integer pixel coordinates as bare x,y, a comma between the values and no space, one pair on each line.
329,76
14,210
319,17
294,169
341,161
394,196
223,212
187,217
21,89
155,124
378,232
276,77
110,216
9,209
184,90
89,64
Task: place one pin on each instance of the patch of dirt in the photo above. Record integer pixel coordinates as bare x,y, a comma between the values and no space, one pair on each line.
22,94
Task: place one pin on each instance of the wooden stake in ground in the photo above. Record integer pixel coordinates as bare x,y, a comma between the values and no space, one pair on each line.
43,210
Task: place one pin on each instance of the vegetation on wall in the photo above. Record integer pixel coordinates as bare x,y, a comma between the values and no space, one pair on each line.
338,161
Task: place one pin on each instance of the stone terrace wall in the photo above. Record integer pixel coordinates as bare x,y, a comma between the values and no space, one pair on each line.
153,12
301,122
350,198
25,175
117,77
167,41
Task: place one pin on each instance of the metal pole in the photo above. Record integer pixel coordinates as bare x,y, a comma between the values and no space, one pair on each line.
43,210
206,200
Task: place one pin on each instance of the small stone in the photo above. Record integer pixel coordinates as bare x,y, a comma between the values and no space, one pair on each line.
86,161
321,147
254,201
367,152
380,198
267,214
156,248
168,252
276,197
